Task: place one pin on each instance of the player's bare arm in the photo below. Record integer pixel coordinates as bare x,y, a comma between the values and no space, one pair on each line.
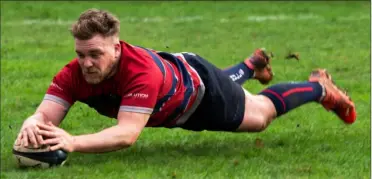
48,111
122,135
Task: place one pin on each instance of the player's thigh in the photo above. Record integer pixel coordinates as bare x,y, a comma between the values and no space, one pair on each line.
259,112
222,107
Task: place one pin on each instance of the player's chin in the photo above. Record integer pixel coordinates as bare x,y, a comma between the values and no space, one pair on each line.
92,79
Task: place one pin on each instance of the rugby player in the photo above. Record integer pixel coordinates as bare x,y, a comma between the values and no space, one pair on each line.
141,87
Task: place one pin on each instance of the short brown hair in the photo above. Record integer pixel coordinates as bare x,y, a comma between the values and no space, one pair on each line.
93,22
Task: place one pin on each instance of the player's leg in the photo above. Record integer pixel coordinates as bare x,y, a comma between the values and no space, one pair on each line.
257,66
279,99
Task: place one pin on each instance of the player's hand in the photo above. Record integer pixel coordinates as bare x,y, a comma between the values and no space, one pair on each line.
56,137
28,136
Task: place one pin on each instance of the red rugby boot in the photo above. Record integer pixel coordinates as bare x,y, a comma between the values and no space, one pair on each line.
259,61
334,99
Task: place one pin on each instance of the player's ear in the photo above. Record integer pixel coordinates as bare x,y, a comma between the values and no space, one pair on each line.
117,49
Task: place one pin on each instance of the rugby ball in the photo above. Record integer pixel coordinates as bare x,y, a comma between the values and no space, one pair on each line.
40,157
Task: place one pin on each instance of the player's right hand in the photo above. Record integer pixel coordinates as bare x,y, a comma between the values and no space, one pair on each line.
28,135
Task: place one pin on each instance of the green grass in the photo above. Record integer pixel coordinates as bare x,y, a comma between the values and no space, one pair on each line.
305,143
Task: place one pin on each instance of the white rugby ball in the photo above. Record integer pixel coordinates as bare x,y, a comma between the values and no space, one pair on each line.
40,157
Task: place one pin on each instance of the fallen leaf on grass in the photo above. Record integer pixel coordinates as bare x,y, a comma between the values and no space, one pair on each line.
259,143
236,162
174,175
293,56
304,169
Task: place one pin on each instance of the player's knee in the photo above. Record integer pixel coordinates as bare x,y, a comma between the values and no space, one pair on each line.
266,115
258,114
262,123
254,123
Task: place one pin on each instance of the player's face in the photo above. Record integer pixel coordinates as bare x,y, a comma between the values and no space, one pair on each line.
98,57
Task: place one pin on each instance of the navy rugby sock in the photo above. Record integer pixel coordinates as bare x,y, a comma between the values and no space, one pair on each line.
288,96
239,73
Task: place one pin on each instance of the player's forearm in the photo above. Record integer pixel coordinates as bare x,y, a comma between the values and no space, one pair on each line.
43,117
37,116
110,139
40,117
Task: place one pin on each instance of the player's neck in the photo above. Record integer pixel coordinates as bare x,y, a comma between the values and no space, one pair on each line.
115,69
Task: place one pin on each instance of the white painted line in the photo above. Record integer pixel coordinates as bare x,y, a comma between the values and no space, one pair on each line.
354,18
282,17
187,19
38,22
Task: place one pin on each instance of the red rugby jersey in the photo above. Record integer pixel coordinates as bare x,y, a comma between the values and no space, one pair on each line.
157,83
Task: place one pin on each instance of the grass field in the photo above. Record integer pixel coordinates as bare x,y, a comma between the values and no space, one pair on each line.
305,143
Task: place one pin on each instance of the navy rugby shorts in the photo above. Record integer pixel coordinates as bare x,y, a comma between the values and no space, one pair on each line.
223,104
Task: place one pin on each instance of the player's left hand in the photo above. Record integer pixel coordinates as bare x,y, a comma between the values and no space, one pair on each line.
57,138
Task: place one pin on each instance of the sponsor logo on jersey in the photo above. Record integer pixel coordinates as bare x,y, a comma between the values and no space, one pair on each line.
55,85
137,95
